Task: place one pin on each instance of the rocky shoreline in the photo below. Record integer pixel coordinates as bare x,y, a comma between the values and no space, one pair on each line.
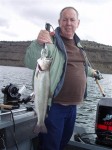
12,54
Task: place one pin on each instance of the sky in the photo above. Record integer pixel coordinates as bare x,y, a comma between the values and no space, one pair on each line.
21,20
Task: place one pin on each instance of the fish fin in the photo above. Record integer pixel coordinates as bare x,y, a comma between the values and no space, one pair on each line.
40,128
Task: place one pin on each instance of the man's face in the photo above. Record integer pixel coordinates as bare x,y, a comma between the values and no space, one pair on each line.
68,23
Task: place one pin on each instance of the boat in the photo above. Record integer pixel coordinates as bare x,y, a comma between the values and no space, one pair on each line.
17,124
16,132
16,129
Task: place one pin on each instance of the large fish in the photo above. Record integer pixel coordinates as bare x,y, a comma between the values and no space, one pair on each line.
41,92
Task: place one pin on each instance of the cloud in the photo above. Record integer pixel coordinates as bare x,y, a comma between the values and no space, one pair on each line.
22,19
3,22
91,2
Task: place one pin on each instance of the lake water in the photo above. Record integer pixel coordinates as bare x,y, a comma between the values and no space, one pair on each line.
86,111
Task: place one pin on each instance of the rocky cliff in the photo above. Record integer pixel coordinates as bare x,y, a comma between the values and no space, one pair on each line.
12,53
100,56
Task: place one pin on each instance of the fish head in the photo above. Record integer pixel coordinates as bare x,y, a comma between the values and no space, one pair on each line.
44,63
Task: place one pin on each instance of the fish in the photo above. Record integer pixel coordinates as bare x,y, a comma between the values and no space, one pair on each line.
41,92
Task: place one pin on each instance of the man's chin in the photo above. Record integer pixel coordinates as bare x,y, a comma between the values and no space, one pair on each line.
69,35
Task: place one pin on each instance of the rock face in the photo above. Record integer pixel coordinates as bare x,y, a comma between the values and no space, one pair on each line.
100,56
12,53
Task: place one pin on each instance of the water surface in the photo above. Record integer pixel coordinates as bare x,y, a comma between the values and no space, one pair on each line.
86,111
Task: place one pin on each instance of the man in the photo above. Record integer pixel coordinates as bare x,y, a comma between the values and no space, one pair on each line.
68,73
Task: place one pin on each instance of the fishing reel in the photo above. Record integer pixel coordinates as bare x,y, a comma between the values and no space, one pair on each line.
12,95
98,75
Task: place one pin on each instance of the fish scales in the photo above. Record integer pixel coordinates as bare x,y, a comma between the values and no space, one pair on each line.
41,92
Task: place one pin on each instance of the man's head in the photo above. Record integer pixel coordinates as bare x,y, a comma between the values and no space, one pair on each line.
68,21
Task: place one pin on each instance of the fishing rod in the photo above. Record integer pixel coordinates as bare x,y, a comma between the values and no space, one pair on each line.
16,105
98,77
3,106
99,86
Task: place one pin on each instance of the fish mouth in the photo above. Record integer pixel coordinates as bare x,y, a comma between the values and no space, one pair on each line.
39,68
44,63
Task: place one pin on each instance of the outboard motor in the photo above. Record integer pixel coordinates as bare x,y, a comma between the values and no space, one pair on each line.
103,127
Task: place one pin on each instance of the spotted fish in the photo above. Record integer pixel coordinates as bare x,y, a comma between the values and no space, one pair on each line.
41,92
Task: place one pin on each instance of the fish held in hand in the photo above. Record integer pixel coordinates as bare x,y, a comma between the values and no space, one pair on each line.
41,92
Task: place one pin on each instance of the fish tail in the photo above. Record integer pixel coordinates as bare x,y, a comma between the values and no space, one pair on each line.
40,129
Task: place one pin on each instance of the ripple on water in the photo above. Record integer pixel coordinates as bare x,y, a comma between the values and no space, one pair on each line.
86,113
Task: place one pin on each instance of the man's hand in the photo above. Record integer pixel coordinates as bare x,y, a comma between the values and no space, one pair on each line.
44,37
98,75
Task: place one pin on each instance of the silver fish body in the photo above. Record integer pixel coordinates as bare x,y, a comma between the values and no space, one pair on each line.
41,92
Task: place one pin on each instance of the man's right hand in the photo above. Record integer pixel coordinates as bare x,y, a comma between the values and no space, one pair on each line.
44,37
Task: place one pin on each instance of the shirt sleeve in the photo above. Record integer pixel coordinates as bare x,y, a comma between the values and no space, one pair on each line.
90,72
33,52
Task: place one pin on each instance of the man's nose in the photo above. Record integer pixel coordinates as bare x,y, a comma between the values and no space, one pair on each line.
68,22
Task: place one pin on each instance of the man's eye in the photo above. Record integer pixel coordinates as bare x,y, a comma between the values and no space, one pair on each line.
72,20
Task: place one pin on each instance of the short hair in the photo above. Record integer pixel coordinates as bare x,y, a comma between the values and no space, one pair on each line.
69,7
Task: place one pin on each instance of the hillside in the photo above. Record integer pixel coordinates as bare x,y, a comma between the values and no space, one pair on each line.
100,56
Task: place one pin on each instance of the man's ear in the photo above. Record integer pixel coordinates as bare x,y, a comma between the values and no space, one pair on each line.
78,23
